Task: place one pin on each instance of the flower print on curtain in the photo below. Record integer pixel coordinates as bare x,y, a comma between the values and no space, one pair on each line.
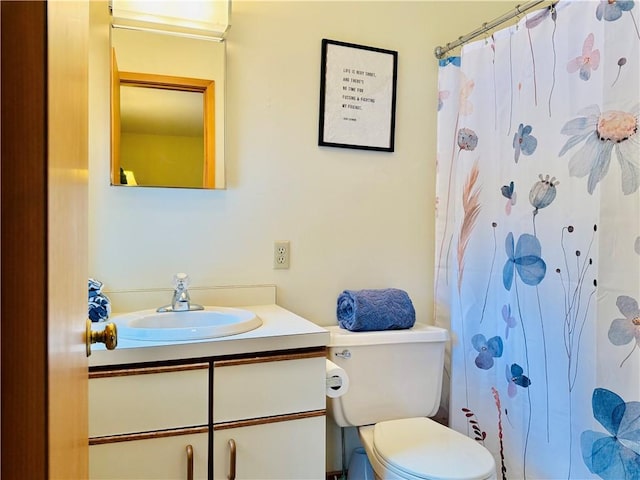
542,296
524,142
624,330
602,134
617,455
587,62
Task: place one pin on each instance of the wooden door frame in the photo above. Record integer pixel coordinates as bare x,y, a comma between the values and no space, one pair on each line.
23,240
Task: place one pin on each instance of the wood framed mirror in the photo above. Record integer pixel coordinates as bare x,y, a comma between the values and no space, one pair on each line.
162,130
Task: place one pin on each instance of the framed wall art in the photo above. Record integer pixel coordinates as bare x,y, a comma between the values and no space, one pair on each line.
357,96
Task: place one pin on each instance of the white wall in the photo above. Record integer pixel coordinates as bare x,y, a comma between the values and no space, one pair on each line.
355,219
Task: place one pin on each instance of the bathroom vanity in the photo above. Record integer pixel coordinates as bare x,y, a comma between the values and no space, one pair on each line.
247,406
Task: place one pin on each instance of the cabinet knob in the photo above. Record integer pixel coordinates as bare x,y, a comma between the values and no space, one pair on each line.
108,336
232,460
189,462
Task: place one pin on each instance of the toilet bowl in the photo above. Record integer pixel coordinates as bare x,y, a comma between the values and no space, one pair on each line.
421,449
395,382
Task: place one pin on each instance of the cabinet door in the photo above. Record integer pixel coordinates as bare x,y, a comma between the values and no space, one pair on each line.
154,459
256,388
287,450
148,399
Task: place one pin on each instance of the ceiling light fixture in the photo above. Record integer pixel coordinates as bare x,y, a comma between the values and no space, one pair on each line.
206,19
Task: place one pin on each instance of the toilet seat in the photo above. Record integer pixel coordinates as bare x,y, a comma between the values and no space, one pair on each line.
421,449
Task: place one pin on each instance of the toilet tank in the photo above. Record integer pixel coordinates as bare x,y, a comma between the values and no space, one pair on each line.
392,373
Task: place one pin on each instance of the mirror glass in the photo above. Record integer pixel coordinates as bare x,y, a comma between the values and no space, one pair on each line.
167,110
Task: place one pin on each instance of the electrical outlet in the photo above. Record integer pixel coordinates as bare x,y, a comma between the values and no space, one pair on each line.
281,253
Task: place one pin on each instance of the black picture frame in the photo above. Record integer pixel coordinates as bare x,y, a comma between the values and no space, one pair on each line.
357,96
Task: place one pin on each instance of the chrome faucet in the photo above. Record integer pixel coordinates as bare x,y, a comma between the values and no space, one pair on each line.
181,301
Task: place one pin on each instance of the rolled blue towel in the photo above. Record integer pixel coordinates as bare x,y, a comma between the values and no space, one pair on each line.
368,310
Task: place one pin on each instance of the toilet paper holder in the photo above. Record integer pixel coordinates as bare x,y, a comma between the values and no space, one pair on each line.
334,382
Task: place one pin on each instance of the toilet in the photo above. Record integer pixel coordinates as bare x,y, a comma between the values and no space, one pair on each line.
395,382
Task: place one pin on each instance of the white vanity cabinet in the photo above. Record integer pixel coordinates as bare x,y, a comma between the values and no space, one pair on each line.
269,417
149,422
246,417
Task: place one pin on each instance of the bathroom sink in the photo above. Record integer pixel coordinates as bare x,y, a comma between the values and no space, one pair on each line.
212,322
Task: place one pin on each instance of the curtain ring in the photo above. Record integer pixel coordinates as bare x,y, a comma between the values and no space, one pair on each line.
518,18
485,30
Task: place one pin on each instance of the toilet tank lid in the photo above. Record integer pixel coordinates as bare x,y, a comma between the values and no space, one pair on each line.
341,337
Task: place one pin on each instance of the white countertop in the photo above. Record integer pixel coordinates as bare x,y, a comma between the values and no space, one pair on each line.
280,330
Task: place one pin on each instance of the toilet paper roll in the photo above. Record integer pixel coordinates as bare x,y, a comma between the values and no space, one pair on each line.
337,380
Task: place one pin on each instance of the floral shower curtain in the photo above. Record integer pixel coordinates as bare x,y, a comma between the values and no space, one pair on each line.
538,241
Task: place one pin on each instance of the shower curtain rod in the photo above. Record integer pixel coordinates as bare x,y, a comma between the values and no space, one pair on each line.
485,27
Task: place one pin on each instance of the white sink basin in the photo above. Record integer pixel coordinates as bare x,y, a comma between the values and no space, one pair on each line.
212,322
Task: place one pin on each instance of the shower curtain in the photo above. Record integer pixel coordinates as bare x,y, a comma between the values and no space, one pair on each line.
538,241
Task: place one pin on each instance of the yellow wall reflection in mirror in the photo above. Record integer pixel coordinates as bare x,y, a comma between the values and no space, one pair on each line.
169,144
